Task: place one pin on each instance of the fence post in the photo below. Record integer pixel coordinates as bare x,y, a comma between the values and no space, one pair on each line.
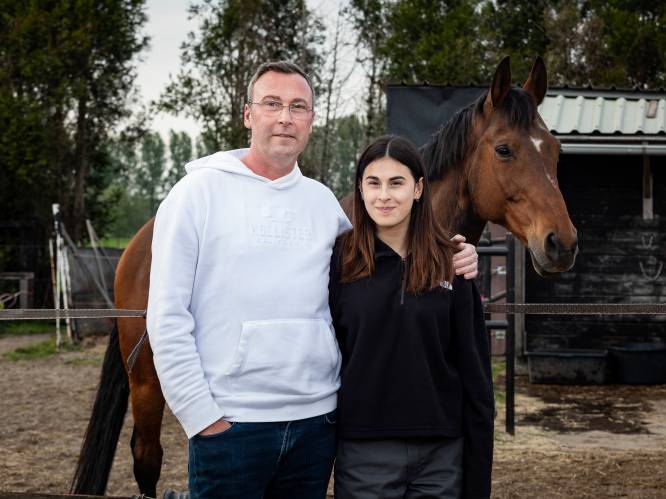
510,344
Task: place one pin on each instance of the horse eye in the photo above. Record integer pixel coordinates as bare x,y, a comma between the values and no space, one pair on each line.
503,151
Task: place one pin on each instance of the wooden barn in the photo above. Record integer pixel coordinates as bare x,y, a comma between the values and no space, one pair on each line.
612,174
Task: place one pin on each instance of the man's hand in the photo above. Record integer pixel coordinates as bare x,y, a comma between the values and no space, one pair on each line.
217,427
466,259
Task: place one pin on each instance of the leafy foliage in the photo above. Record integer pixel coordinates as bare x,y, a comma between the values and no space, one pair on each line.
66,71
369,20
346,137
433,41
147,174
234,38
515,28
180,151
149,171
631,48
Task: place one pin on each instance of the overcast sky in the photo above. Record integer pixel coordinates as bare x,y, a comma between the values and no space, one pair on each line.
167,28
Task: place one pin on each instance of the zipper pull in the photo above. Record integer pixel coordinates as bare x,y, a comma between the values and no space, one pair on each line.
403,280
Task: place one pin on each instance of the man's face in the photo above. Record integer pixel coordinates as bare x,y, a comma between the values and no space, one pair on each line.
281,135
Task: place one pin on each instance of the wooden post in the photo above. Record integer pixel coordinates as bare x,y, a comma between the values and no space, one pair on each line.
24,290
63,284
58,282
648,202
510,347
519,261
67,290
53,268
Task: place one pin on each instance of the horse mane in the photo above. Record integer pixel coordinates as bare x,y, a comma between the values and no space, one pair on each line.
448,146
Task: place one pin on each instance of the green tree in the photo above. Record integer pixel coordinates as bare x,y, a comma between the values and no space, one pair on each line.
369,19
516,28
604,43
434,41
66,71
234,37
205,145
180,152
631,48
570,35
415,41
128,209
150,170
346,138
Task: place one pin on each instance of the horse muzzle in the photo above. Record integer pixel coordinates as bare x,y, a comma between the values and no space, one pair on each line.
552,255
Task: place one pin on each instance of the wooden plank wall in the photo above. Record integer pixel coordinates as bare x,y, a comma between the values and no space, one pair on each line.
622,257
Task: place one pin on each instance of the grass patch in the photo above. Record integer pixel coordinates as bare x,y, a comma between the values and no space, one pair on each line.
40,350
498,369
500,397
85,361
27,327
113,242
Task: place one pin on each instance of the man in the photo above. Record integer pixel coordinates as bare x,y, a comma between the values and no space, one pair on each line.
238,312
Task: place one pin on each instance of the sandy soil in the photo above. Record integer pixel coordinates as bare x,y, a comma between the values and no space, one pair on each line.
570,442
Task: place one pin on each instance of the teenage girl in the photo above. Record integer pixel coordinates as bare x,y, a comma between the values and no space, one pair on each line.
415,411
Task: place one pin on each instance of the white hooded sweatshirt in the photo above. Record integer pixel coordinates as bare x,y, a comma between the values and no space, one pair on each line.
238,315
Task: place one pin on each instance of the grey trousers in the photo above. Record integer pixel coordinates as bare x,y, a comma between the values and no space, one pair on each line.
399,468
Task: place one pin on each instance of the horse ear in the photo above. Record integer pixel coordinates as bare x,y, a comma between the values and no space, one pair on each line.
501,83
537,83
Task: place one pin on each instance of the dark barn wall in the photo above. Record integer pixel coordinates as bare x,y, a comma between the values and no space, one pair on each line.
622,257
24,248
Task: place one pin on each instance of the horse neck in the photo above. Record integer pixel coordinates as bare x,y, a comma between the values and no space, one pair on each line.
453,204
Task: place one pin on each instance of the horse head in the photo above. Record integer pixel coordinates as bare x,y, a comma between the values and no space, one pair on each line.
513,177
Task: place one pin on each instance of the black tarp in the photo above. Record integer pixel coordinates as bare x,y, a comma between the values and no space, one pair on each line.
416,112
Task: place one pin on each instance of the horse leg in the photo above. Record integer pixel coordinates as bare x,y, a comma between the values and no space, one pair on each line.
147,409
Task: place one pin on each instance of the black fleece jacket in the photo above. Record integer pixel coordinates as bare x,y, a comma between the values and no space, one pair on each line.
414,365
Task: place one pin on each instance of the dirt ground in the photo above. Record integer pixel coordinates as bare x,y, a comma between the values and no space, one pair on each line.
570,442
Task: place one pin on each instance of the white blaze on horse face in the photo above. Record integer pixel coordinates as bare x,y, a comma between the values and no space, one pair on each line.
537,143
551,180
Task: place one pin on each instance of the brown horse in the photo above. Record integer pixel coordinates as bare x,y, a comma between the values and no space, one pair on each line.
494,160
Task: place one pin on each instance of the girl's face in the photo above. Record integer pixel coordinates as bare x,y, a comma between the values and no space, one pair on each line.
388,189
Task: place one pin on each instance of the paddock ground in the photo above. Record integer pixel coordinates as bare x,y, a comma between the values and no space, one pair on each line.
571,442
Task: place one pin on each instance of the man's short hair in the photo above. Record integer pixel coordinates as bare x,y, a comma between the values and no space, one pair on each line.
285,67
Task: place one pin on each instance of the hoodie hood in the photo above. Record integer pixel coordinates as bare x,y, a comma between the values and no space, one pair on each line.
230,161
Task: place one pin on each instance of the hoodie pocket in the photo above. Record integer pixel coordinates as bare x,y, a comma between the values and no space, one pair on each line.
287,356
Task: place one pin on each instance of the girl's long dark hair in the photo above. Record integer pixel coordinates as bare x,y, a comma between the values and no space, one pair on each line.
430,252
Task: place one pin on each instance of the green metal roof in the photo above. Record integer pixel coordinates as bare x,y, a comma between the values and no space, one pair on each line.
603,113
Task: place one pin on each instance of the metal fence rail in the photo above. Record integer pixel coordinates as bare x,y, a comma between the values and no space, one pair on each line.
70,313
577,308
500,308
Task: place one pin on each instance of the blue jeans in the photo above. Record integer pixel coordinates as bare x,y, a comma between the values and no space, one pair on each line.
283,460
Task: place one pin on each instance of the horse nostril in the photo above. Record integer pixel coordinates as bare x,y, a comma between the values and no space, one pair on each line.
552,247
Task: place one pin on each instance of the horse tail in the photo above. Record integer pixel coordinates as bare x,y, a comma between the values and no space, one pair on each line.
101,437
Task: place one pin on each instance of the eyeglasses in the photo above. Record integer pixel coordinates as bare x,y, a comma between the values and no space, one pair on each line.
297,110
